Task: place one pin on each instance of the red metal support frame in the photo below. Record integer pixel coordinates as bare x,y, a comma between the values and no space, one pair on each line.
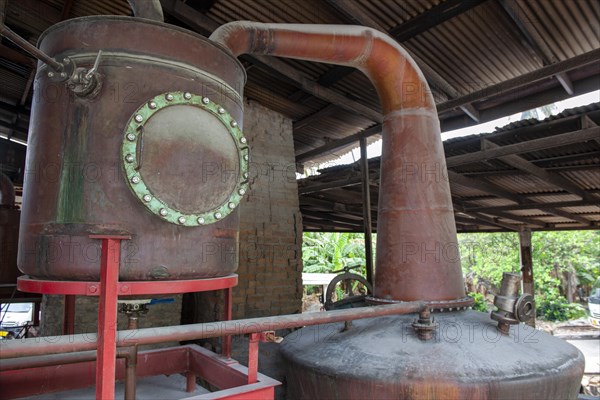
69,315
107,316
190,381
128,288
226,340
253,357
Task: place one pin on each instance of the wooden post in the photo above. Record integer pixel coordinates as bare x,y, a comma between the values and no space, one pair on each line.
366,196
526,265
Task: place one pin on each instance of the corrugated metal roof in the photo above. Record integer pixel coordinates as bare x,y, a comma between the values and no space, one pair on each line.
484,194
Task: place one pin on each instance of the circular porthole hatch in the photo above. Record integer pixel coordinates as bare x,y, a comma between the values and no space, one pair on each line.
185,158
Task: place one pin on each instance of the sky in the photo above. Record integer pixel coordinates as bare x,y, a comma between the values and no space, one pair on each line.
374,149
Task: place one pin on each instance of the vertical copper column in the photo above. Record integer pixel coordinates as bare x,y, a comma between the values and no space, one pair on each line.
417,255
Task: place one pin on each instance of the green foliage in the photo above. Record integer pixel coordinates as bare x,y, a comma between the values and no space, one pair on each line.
330,251
488,255
485,256
480,304
558,309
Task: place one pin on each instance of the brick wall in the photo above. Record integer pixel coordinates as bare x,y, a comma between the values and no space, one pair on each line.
270,270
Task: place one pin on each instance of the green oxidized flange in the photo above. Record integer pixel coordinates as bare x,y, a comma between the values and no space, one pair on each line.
129,151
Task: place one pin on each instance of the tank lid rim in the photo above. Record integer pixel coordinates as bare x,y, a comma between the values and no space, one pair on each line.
123,18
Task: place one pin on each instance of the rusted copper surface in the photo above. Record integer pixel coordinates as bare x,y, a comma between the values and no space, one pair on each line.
466,359
417,253
417,256
74,182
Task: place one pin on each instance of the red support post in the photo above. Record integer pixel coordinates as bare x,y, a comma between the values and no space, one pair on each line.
107,316
226,340
69,315
190,384
253,357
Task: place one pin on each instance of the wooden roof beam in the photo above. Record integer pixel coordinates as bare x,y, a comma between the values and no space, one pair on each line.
548,142
338,144
436,15
535,41
527,206
516,83
524,165
587,122
484,186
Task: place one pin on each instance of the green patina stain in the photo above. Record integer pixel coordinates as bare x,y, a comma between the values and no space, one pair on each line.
72,177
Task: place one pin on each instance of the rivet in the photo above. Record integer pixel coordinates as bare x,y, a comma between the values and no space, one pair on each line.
187,95
129,158
246,157
221,110
63,74
245,175
139,118
205,100
242,191
163,212
50,74
147,198
130,137
124,288
135,179
231,205
243,139
200,220
181,220
218,215
169,97
152,105
93,289
234,123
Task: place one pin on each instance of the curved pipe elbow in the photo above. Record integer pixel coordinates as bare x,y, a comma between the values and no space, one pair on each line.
415,206
399,82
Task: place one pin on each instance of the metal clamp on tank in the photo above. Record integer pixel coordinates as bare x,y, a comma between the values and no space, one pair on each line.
425,325
81,81
512,308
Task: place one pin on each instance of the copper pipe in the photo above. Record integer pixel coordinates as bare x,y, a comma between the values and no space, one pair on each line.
56,359
82,342
28,47
47,360
417,255
7,192
130,354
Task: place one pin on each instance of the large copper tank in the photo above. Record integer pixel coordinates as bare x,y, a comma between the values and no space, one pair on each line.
417,259
155,151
